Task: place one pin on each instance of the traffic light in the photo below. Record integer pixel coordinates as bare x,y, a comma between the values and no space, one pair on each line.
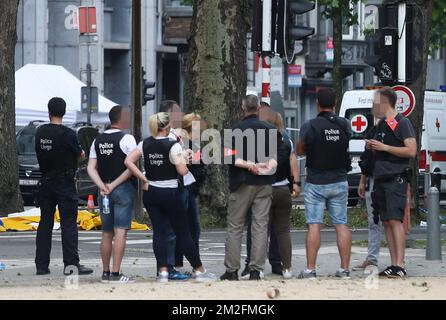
288,32
257,25
383,55
382,49
146,85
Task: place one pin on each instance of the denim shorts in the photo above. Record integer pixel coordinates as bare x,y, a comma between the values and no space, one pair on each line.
122,201
334,197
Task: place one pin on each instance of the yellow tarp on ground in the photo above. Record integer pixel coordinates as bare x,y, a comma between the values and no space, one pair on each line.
85,220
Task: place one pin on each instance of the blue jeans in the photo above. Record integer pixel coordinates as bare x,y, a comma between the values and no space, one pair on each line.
333,196
193,217
166,209
122,201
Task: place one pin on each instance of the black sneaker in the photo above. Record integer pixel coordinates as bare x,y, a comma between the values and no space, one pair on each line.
230,276
120,279
387,272
277,269
254,275
245,273
43,272
105,277
398,272
81,270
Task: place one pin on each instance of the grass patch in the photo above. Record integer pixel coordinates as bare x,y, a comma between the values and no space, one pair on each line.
356,219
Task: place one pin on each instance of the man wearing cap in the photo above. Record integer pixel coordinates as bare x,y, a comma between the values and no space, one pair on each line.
58,152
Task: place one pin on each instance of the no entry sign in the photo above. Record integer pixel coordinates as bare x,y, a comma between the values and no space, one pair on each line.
406,100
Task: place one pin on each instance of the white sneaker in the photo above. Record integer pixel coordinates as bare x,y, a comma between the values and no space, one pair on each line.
163,277
287,274
204,276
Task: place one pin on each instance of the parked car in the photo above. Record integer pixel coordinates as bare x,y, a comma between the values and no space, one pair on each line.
29,173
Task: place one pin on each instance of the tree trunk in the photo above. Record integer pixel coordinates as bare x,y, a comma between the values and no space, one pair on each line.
421,32
10,197
216,79
337,62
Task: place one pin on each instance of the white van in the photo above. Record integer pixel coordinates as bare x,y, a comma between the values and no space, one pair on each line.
357,107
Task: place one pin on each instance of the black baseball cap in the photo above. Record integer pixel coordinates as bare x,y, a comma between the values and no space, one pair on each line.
57,107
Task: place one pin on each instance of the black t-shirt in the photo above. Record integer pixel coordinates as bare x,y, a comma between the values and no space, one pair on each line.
57,149
403,131
248,150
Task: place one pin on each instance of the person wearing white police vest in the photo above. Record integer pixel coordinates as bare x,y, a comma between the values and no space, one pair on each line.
107,169
164,161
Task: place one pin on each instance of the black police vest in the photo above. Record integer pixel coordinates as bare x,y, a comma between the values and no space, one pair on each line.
283,160
109,155
329,150
157,159
52,154
386,135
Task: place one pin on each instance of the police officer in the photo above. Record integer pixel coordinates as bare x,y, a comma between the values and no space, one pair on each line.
250,181
325,141
107,169
58,152
394,145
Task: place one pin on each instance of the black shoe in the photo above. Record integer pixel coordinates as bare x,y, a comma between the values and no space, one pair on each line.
245,273
105,277
387,272
398,272
254,275
230,276
277,269
43,272
81,270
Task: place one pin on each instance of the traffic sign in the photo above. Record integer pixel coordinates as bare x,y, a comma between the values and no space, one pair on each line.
294,76
359,123
406,100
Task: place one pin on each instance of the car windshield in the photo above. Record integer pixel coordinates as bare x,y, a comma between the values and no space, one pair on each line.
26,141
361,121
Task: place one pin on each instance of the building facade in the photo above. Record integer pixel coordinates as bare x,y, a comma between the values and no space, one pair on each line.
48,34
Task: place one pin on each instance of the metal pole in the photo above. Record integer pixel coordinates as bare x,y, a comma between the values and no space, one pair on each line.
88,67
402,42
433,249
266,51
136,90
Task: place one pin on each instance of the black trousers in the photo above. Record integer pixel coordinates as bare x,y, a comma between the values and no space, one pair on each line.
60,192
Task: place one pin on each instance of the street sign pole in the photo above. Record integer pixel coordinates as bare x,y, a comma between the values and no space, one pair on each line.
88,68
137,91
266,51
402,10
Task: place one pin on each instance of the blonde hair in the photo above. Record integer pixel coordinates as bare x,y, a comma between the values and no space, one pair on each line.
158,122
276,120
188,119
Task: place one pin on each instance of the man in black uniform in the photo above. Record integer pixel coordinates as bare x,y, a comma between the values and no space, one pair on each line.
325,141
58,152
394,144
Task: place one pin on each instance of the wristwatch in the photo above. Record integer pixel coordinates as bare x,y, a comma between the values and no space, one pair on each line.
297,183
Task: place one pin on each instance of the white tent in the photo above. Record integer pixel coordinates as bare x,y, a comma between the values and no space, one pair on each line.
36,84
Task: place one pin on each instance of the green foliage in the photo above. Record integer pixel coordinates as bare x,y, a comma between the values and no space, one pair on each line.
334,7
438,37
187,2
